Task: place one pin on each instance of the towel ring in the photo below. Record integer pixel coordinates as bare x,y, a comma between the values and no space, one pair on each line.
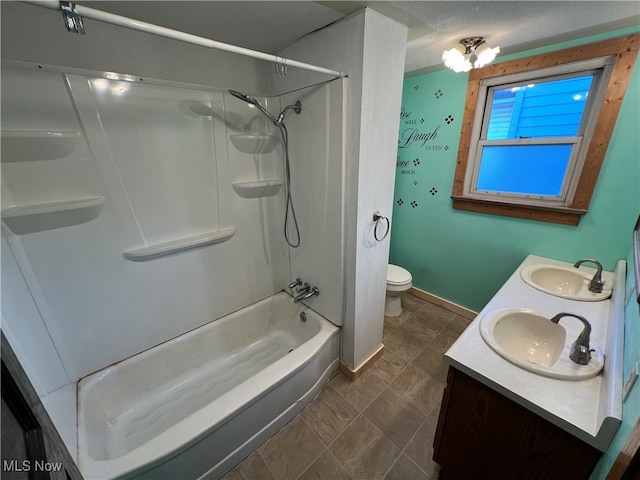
377,216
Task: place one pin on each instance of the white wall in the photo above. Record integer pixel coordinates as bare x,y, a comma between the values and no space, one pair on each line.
370,48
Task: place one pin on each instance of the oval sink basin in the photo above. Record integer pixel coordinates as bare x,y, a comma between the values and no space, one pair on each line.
566,282
530,340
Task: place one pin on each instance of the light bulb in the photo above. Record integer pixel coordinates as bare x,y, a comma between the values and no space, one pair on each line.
456,59
485,55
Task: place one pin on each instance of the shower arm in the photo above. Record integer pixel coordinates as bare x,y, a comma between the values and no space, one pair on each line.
121,21
297,107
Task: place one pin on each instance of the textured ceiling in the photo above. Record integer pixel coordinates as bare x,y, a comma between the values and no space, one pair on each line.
269,26
514,25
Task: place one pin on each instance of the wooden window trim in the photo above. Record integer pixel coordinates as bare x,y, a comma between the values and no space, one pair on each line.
626,51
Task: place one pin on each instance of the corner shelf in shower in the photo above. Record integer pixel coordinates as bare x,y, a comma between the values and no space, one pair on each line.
36,217
257,189
254,143
27,145
174,246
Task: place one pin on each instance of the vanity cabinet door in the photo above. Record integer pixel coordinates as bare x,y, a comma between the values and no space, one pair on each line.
483,435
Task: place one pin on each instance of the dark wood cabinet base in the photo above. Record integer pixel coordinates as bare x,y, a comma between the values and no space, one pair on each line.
483,435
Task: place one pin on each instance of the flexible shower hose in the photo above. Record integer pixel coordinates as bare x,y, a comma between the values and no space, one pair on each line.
287,175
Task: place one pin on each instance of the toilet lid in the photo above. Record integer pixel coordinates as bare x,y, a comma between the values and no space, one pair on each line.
397,275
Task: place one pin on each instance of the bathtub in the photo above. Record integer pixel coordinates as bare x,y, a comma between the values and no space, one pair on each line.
195,406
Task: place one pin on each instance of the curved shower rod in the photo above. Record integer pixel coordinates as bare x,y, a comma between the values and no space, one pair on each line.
119,20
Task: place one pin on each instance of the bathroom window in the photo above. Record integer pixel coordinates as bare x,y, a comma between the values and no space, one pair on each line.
536,130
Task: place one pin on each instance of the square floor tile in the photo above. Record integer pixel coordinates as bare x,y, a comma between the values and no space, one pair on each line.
438,314
458,324
422,327
292,450
396,321
388,366
329,414
419,388
326,467
360,393
404,343
431,360
405,469
444,340
397,418
411,302
420,448
252,468
364,451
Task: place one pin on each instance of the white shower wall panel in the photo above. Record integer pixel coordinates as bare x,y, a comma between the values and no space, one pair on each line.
35,350
164,153
316,141
37,101
99,307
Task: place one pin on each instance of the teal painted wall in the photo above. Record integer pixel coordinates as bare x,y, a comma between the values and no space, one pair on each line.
631,407
465,257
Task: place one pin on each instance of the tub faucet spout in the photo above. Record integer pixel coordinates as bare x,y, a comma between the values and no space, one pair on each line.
580,351
596,283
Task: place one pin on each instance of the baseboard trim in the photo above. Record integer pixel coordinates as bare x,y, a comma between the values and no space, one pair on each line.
353,374
446,304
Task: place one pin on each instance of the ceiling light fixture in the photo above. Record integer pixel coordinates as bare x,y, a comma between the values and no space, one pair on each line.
458,58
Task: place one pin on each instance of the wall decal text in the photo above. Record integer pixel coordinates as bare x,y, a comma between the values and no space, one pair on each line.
411,135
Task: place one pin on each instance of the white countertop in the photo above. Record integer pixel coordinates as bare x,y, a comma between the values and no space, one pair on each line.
588,409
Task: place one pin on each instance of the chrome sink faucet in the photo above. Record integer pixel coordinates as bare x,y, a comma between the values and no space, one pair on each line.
580,351
596,283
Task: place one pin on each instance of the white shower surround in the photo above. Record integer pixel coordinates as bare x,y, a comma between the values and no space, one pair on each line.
109,308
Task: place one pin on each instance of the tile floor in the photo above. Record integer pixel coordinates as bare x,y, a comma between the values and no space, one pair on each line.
378,427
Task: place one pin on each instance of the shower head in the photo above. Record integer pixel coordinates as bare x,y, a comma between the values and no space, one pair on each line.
297,107
243,96
252,101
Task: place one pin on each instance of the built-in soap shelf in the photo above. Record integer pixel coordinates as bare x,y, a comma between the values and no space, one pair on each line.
254,143
174,246
36,217
27,145
258,188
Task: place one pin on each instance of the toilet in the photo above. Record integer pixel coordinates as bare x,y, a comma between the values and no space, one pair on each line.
398,281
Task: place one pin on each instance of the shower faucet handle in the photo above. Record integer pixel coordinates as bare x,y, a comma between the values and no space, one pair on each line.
304,289
292,285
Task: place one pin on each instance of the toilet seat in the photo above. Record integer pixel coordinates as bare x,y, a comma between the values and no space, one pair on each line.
397,276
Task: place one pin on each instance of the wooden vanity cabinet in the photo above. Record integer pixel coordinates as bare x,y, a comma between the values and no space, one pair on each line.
481,435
